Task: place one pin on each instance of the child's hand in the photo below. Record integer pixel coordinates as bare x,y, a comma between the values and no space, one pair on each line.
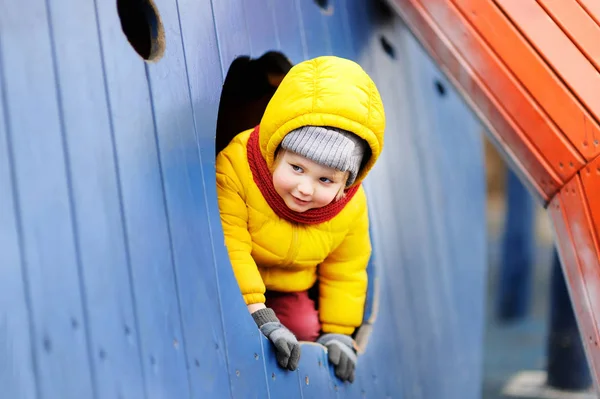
286,344
341,353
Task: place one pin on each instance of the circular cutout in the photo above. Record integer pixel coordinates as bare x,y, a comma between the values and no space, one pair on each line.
143,28
440,88
387,47
325,6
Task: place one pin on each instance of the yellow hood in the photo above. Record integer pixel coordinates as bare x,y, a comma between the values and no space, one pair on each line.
325,91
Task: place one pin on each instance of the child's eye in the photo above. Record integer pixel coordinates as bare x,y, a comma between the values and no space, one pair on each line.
326,180
296,168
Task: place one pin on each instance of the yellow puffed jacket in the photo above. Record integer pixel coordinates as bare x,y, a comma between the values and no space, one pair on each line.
269,252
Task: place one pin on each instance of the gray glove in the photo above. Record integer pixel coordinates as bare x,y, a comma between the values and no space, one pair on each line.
341,353
286,344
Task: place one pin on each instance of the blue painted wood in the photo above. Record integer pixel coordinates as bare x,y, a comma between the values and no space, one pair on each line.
172,101
115,351
260,25
231,30
458,223
17,364
314,27
338,29
518,246
289,29
314,373
48,250
128,151
396,204
211,376
149,240
282,383
243,337
360,22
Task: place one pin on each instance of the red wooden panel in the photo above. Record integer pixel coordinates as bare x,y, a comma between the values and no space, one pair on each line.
537,77
553,45
592,7
577,25
537,128
478,96
579,262
590,177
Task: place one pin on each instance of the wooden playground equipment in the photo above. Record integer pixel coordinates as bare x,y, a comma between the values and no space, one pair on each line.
530,70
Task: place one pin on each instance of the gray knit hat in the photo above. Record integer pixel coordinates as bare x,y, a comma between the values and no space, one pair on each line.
329,146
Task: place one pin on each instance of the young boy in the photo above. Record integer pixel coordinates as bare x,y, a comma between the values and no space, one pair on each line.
294,212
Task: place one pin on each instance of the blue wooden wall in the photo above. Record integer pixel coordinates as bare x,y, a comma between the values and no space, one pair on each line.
114,280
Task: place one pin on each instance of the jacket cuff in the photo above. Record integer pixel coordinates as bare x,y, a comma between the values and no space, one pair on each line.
337,329
254,298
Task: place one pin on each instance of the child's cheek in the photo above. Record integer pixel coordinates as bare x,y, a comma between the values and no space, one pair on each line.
279,182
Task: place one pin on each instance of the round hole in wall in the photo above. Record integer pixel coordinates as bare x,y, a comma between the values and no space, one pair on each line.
143,28
387,47
325,6
440,88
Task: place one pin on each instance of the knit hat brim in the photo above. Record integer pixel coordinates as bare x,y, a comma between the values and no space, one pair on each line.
328,146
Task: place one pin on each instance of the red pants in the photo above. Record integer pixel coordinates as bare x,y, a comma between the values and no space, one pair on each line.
297,312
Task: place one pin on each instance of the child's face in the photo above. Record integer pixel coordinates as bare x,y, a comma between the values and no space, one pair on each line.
304,184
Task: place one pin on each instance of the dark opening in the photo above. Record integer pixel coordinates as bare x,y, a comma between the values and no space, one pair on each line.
440,88
143,28
387,47
248,88
383,12
323,4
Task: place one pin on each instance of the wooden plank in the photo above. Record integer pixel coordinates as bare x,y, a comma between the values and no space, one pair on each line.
590,177
592,7
314,374
260,25
534,74
537,128
356,14
444,131
567,210
204,79
577,213
314,29
288,25
577,25
502,130
232,36
555,47
144,211
58,324
17,357
425,287
360,24
390,77
339,30
282,383
100,235
173,103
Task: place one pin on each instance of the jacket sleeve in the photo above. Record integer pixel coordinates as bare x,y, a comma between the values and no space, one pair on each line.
234,218
343,279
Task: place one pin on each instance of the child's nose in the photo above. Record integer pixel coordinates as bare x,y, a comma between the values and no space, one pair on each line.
305,188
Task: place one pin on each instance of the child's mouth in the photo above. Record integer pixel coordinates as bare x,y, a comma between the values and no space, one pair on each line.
299,201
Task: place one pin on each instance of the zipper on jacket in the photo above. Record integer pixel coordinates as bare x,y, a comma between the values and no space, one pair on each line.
293,249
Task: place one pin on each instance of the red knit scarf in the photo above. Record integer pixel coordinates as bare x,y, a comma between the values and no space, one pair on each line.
264,180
